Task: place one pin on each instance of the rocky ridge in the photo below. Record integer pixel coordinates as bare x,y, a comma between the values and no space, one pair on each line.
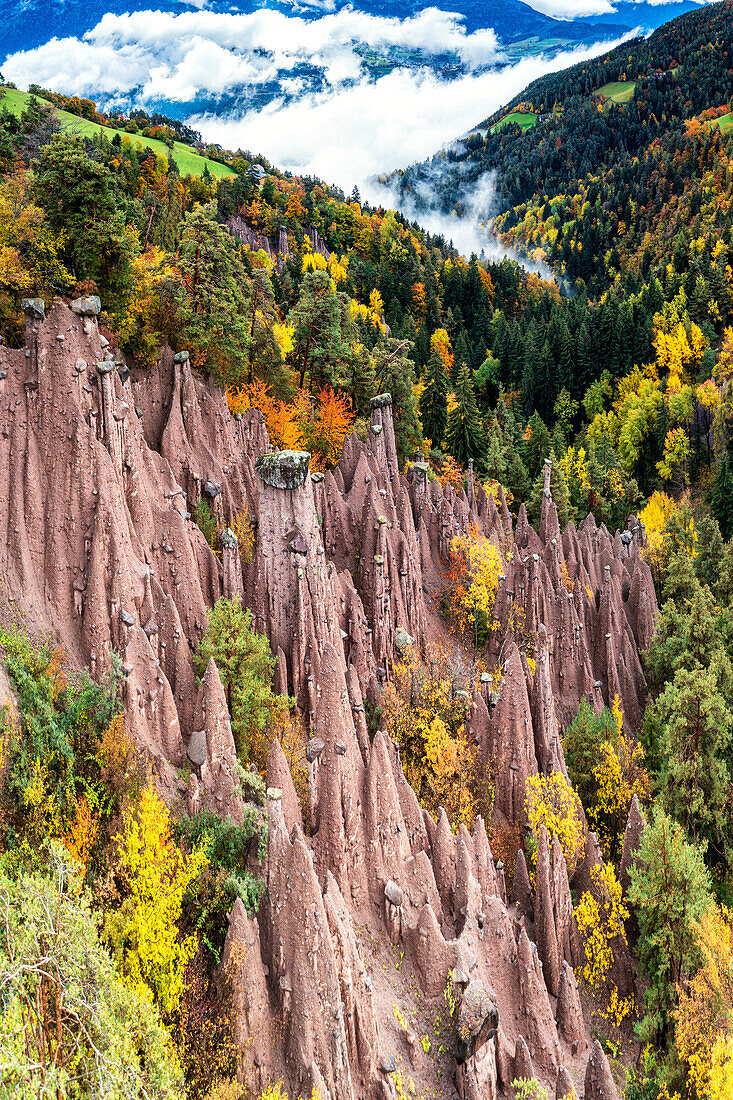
377,904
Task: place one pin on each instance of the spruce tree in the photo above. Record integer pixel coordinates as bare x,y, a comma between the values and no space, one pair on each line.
721,498
495,453
466,437
697,783
545,381
529,402
710,552
517,478
434,400
536,445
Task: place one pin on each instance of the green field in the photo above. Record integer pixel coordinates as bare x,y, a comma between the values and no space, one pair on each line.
525,121
725,122
188,160
620,91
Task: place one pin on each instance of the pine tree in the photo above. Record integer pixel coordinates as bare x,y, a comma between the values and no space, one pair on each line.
395,373
213,297
465,436
669,890
537,444
545,382
434,400
696,782
322,330
517,478
529,371
359,380
585,366
495,453
708,562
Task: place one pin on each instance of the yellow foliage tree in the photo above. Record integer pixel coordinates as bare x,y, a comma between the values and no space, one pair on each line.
471,583
720,1078
575,469
676,454
679,348
283,334
619,774
552,802
426,713
724,367
143,324
29,251
440,342
144,933
600,917
660,545
704,1033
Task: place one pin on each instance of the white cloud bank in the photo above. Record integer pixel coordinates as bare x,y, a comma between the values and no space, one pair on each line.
348,137
161,55
347,133
573,9
577,9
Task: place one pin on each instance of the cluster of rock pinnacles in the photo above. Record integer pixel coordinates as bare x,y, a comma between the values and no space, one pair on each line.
376,904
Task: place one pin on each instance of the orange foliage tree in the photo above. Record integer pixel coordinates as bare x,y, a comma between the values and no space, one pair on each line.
319,425
331,422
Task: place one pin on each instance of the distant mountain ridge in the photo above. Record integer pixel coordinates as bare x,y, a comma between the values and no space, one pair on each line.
30,24
512,20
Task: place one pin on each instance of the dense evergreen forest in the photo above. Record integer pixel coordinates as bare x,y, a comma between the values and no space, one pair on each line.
620,373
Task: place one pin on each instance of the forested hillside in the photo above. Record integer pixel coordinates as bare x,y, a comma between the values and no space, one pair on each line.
369,645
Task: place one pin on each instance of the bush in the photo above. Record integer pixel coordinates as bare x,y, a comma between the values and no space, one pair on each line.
228,848
67,1024
552,802
70,763
144,932
246,667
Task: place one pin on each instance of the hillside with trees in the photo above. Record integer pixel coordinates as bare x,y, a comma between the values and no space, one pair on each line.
364,604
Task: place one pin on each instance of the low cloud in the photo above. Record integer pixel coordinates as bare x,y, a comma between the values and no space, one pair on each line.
578,9
573,9
193,54
350,136
349,131
470,233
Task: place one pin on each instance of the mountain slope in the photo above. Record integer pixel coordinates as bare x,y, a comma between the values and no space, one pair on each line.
681,70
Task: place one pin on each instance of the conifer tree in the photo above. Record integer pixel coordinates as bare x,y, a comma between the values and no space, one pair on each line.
465,436
495,454
669,890
536,445
434,400
545,389
721,498
697,781
517,478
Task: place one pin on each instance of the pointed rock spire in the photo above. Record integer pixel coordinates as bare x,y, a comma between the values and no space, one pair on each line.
599,1082
513,753
521,889
545,915
635,825
564,1089
570,1024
